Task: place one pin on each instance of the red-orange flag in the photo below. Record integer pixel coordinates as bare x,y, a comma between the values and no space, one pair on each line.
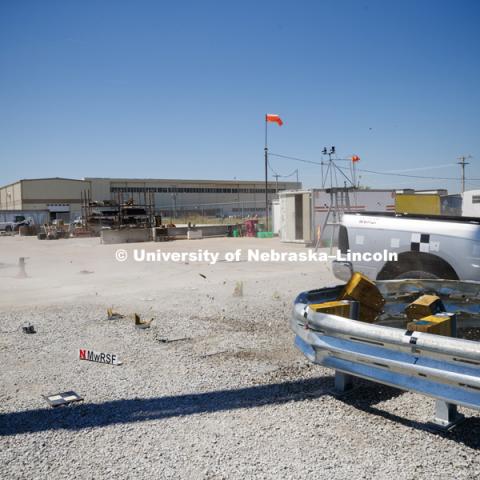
355,158
271,117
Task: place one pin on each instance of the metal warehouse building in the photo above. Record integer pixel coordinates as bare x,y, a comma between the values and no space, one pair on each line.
62,196
210,197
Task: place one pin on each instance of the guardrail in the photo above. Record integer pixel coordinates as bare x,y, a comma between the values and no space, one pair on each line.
447,369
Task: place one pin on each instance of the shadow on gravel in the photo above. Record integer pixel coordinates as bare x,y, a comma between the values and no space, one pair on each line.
368,394
90,415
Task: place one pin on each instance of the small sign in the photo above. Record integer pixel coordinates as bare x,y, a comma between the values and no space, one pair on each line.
99,357
63,398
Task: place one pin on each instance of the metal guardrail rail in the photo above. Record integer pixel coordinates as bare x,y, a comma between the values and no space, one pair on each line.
445,368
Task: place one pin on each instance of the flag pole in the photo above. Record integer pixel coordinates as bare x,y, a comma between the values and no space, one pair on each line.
266,174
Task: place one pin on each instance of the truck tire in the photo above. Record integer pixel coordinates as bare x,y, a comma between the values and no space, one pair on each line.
8,228
417,265
416,274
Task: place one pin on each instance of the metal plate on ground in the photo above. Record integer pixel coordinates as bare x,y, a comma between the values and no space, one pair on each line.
63,398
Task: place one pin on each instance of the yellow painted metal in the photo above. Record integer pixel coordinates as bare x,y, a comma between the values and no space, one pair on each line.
424,306
339,307
436,324
361,289
424,204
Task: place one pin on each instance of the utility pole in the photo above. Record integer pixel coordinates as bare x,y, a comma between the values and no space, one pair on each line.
276,182
462,163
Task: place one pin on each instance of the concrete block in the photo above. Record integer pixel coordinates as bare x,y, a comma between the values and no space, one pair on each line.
194,234
127,235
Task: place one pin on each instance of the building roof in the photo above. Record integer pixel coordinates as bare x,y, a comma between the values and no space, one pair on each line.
176,180
52,178
41,179
351,190
152,180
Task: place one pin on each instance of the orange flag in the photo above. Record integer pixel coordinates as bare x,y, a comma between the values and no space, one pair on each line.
270,117
355,158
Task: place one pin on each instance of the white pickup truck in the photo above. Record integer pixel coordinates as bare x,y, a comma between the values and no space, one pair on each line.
14,225
426,246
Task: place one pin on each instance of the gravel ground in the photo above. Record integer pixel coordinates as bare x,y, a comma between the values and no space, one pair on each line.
230,398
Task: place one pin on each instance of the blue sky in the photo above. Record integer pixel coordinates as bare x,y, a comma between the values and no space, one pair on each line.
179,89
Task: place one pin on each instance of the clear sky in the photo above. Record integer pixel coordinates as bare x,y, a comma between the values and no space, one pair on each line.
177,89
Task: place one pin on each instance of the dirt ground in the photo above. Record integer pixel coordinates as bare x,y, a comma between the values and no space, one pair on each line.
83,270
213,389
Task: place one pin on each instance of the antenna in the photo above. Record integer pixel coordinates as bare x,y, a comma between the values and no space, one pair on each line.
332,169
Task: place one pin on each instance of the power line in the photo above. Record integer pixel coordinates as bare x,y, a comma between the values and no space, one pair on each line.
445,165
275,173
406,175
294,158
297,159
295,172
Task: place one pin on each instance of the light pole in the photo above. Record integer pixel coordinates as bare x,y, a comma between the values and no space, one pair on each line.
174,204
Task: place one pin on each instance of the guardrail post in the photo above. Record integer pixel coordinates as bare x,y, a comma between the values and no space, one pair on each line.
446,415
343,382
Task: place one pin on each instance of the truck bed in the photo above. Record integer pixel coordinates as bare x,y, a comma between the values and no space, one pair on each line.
436,218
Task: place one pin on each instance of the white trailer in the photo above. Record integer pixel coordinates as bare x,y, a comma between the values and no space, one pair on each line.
303,212
471,203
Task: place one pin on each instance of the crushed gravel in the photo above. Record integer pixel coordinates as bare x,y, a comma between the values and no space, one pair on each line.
231,399
214,389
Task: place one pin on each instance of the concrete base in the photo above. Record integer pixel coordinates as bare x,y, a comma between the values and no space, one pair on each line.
194,235
207,230
127,235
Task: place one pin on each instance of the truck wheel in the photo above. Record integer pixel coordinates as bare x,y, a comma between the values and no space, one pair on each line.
416,274
8,228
